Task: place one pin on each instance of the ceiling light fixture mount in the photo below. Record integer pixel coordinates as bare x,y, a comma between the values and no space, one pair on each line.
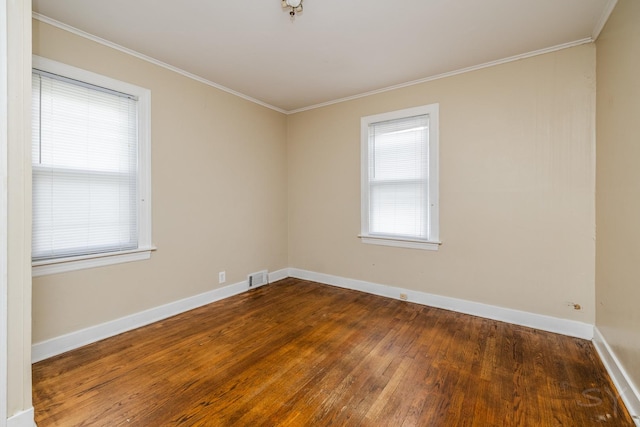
293,6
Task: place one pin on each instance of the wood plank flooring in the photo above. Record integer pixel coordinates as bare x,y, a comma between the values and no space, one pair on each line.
298,353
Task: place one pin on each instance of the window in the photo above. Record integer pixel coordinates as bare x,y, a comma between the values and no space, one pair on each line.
91,171
400,178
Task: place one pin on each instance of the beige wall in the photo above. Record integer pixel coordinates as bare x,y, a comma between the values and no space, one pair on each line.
618,185
517,200
516,188
219,195
19,207
232,181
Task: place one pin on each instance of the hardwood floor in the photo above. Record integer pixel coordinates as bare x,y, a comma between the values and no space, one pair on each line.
297,353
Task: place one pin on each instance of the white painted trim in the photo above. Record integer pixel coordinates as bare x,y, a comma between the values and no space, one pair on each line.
59,345
52,347
4,99
431,212
77,32
447,74
73,30
400,243
606,13
278,275
86,76
628,392
22,419
532,320
54,266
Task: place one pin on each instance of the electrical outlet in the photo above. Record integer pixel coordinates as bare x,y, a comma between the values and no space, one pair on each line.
222,277
403,297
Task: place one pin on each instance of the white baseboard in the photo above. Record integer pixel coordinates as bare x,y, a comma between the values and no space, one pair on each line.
628,392
538,321
22,419
278,275
58,345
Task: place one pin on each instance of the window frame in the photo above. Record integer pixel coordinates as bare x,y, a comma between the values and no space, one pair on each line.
145,245
432,242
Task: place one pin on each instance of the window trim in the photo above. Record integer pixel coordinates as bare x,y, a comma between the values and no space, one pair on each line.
145,245
433,241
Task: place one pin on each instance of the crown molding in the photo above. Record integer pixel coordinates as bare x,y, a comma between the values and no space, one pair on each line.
449,74
606,13
73,30
84,34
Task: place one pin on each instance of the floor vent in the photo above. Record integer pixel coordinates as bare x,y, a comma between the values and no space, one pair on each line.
258,279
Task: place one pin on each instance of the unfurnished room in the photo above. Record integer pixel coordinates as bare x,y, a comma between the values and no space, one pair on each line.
318,212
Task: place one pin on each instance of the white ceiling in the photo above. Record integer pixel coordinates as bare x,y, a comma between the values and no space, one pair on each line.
334,49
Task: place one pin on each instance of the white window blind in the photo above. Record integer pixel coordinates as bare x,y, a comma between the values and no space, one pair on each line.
85,164
398,177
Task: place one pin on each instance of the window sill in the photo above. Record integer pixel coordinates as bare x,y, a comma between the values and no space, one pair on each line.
401,243
63,265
